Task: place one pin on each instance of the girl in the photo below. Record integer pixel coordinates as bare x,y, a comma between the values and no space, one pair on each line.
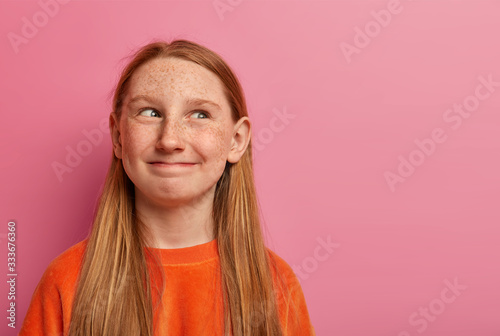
176,246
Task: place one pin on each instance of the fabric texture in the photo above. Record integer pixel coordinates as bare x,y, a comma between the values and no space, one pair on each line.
191,305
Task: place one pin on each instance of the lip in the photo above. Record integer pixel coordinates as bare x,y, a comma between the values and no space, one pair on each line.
172,164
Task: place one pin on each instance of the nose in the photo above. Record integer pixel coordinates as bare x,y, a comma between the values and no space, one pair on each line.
171,136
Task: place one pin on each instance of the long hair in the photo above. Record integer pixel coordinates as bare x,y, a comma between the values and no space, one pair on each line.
116,294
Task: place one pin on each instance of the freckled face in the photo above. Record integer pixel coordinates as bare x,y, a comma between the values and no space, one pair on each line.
175,131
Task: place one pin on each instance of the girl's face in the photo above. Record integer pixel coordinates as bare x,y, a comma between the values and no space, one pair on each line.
176,131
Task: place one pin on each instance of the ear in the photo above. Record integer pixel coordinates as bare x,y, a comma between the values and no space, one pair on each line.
240,140
114,129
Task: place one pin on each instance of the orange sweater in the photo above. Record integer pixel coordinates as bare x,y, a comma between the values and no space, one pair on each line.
191,304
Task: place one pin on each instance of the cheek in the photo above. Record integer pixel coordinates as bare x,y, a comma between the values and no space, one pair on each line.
136,138
216,142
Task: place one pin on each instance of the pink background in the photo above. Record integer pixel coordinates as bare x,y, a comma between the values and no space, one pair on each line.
320,172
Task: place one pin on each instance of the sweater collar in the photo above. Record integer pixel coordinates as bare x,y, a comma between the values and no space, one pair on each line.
187,255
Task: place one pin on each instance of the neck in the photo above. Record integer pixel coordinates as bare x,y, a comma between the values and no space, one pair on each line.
180,225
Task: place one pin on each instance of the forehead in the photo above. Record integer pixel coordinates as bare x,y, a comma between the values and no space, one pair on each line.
174,77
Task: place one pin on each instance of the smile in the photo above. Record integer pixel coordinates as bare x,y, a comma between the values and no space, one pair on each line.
172,165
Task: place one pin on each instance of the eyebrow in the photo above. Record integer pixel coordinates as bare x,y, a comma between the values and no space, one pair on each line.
189,101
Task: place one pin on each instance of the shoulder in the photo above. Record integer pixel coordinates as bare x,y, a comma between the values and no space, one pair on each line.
50,308
285,279
281,267
65,267
290,298
71,256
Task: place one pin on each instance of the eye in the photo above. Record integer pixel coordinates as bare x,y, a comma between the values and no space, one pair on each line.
149,112
203,113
